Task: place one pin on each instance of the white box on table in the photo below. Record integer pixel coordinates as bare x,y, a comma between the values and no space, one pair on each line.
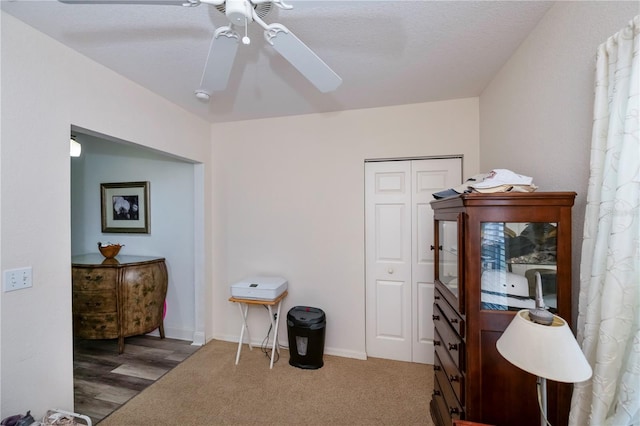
259,288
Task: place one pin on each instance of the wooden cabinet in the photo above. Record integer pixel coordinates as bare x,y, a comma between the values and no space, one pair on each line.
117,298
492,251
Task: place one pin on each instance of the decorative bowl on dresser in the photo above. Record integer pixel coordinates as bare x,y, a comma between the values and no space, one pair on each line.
109,250
493,251
118,297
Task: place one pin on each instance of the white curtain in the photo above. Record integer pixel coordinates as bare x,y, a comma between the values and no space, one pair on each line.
609,302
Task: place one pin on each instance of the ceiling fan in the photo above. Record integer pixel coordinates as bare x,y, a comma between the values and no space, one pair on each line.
226,39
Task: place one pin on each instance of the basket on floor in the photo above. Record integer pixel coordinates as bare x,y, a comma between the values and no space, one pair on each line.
64,418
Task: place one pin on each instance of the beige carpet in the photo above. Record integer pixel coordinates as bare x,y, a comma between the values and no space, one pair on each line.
209,389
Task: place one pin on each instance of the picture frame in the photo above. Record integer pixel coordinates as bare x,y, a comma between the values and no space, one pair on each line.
125,207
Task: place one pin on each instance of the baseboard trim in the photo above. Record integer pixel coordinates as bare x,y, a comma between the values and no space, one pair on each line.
285,345
198,338
176,333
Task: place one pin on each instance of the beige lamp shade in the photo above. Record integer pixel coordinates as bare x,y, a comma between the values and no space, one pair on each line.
548,351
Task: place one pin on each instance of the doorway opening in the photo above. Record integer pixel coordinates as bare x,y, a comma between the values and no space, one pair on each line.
176,224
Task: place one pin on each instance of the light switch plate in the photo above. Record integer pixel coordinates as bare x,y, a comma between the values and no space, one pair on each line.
17,279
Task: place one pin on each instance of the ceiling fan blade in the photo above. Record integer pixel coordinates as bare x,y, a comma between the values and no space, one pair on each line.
217,69
302,58
152,2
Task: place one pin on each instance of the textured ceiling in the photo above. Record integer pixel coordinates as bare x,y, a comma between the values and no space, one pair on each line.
387,52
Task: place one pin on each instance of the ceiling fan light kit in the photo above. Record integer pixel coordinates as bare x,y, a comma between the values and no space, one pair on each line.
224,44
238,12
202,95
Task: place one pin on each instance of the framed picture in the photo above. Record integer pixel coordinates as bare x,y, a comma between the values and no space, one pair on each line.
125,207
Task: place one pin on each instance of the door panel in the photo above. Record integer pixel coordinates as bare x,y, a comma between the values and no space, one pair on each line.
389,232
390,310
424,319
391,182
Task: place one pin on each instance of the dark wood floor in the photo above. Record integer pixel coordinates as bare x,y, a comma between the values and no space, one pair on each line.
104,380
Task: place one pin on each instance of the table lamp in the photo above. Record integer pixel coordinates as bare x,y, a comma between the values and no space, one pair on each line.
541,343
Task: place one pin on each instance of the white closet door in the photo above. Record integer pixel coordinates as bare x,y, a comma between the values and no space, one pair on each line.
428,176
399,262
388,259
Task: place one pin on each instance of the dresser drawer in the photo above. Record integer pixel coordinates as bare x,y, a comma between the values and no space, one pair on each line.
96,326
448,404
93,279
449,314
449,340
439,405
94,302
445,364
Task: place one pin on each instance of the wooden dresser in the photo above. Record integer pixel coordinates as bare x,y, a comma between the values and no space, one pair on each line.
491,251
117,298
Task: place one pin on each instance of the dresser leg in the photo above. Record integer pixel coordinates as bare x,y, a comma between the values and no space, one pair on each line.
120,344
161,329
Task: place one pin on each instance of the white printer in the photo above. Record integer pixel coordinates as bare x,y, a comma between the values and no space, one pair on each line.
259,288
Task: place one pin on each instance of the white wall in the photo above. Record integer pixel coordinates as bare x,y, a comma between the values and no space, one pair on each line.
46,88
290,201
536,115
289,193
171,186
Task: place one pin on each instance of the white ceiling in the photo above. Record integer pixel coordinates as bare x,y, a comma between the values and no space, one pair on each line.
387,52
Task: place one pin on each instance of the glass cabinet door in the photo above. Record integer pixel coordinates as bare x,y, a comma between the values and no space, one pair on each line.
518,265
448,259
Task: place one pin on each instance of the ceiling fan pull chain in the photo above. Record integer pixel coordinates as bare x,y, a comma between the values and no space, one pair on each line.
246,40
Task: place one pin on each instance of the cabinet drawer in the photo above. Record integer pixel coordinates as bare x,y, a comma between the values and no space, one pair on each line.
96,326
448,405
438,404
450,341
94,302
450,314
96,279
445,364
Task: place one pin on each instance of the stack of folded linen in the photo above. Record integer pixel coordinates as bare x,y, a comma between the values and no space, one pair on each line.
497,180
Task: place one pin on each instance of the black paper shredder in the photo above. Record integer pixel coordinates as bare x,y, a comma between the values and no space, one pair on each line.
306,329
